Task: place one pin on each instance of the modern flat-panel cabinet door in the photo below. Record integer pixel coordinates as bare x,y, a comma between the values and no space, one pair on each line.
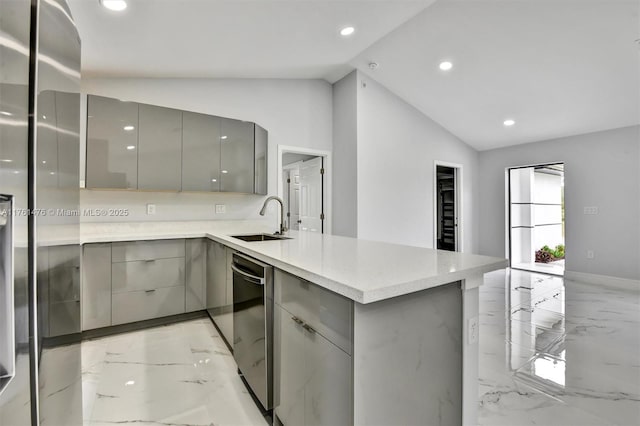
67,113
200,152
160,148
196,267
64,290
290,375
96,286
216,278
47,147
237,156
112,143
328,391
260,166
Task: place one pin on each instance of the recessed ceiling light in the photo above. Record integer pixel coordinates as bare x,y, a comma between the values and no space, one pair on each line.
131,147
214,180
7,113
6,160
117,5
223,137
44,161
446,65
225,172
509,123
347,31
52,173
128,128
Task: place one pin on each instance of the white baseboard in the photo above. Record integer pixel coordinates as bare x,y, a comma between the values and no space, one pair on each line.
603,280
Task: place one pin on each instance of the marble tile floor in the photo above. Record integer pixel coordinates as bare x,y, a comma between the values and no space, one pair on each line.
552,353
557,353
180,374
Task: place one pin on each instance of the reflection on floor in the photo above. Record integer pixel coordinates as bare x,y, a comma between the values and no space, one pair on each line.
551,353
181,374
554,268
557,353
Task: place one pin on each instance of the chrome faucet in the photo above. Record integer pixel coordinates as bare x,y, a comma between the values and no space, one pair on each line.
283,228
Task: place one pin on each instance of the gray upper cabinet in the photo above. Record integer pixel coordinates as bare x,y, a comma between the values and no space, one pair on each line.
112,143
260,168
200,152
138,146
237,156
160,148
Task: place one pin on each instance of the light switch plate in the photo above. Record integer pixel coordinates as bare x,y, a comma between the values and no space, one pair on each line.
151,209
473,330
590,254
221,208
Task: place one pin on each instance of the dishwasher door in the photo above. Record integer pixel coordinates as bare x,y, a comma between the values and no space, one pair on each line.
253,325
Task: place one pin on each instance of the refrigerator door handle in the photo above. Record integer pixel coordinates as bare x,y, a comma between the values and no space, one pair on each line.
7,309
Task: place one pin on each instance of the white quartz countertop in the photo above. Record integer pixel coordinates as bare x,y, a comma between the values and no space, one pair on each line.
364,271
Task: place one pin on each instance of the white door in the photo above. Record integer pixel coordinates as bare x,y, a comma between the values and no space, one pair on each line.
294,198
311,195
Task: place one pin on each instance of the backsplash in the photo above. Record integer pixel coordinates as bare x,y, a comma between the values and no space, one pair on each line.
131,206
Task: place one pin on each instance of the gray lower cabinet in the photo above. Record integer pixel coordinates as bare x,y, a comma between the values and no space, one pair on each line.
313,365
112,143
220,288
96,290
147,304
196,274
160,148
59,286
140,280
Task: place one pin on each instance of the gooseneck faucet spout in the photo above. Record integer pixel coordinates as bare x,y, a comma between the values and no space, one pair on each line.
283,229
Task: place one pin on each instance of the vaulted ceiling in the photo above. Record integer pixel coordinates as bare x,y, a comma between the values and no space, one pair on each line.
555,67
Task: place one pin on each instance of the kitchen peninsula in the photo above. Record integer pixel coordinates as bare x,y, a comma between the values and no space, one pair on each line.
400,322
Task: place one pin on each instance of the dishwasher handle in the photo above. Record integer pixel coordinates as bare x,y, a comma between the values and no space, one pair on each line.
249,277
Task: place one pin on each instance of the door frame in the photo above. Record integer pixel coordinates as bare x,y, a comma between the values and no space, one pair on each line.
507,204
327,182
459,170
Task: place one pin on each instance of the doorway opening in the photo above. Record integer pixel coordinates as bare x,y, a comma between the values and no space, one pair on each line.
304,188
536,218
447,192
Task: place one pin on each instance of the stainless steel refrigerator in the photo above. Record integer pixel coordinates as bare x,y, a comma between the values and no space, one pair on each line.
40,362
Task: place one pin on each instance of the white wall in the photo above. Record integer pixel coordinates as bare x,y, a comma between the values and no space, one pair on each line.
397,147
601,170
294,112
345,153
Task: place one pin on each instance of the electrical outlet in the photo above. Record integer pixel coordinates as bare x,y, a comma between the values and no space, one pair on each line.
591,210
473,330
221,208
590,254
151,209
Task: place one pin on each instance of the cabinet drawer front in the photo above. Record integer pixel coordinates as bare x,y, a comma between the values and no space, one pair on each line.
147,250
147,274
328,313
143,305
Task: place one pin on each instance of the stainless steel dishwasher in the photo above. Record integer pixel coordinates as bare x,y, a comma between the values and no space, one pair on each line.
253,325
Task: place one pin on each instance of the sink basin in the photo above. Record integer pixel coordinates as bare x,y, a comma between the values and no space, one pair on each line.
260,237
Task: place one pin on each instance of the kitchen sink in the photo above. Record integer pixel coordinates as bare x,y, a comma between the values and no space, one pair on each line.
260,237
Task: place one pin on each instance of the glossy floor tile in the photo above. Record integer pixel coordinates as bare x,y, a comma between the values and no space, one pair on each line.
551,353
181,374
557,353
